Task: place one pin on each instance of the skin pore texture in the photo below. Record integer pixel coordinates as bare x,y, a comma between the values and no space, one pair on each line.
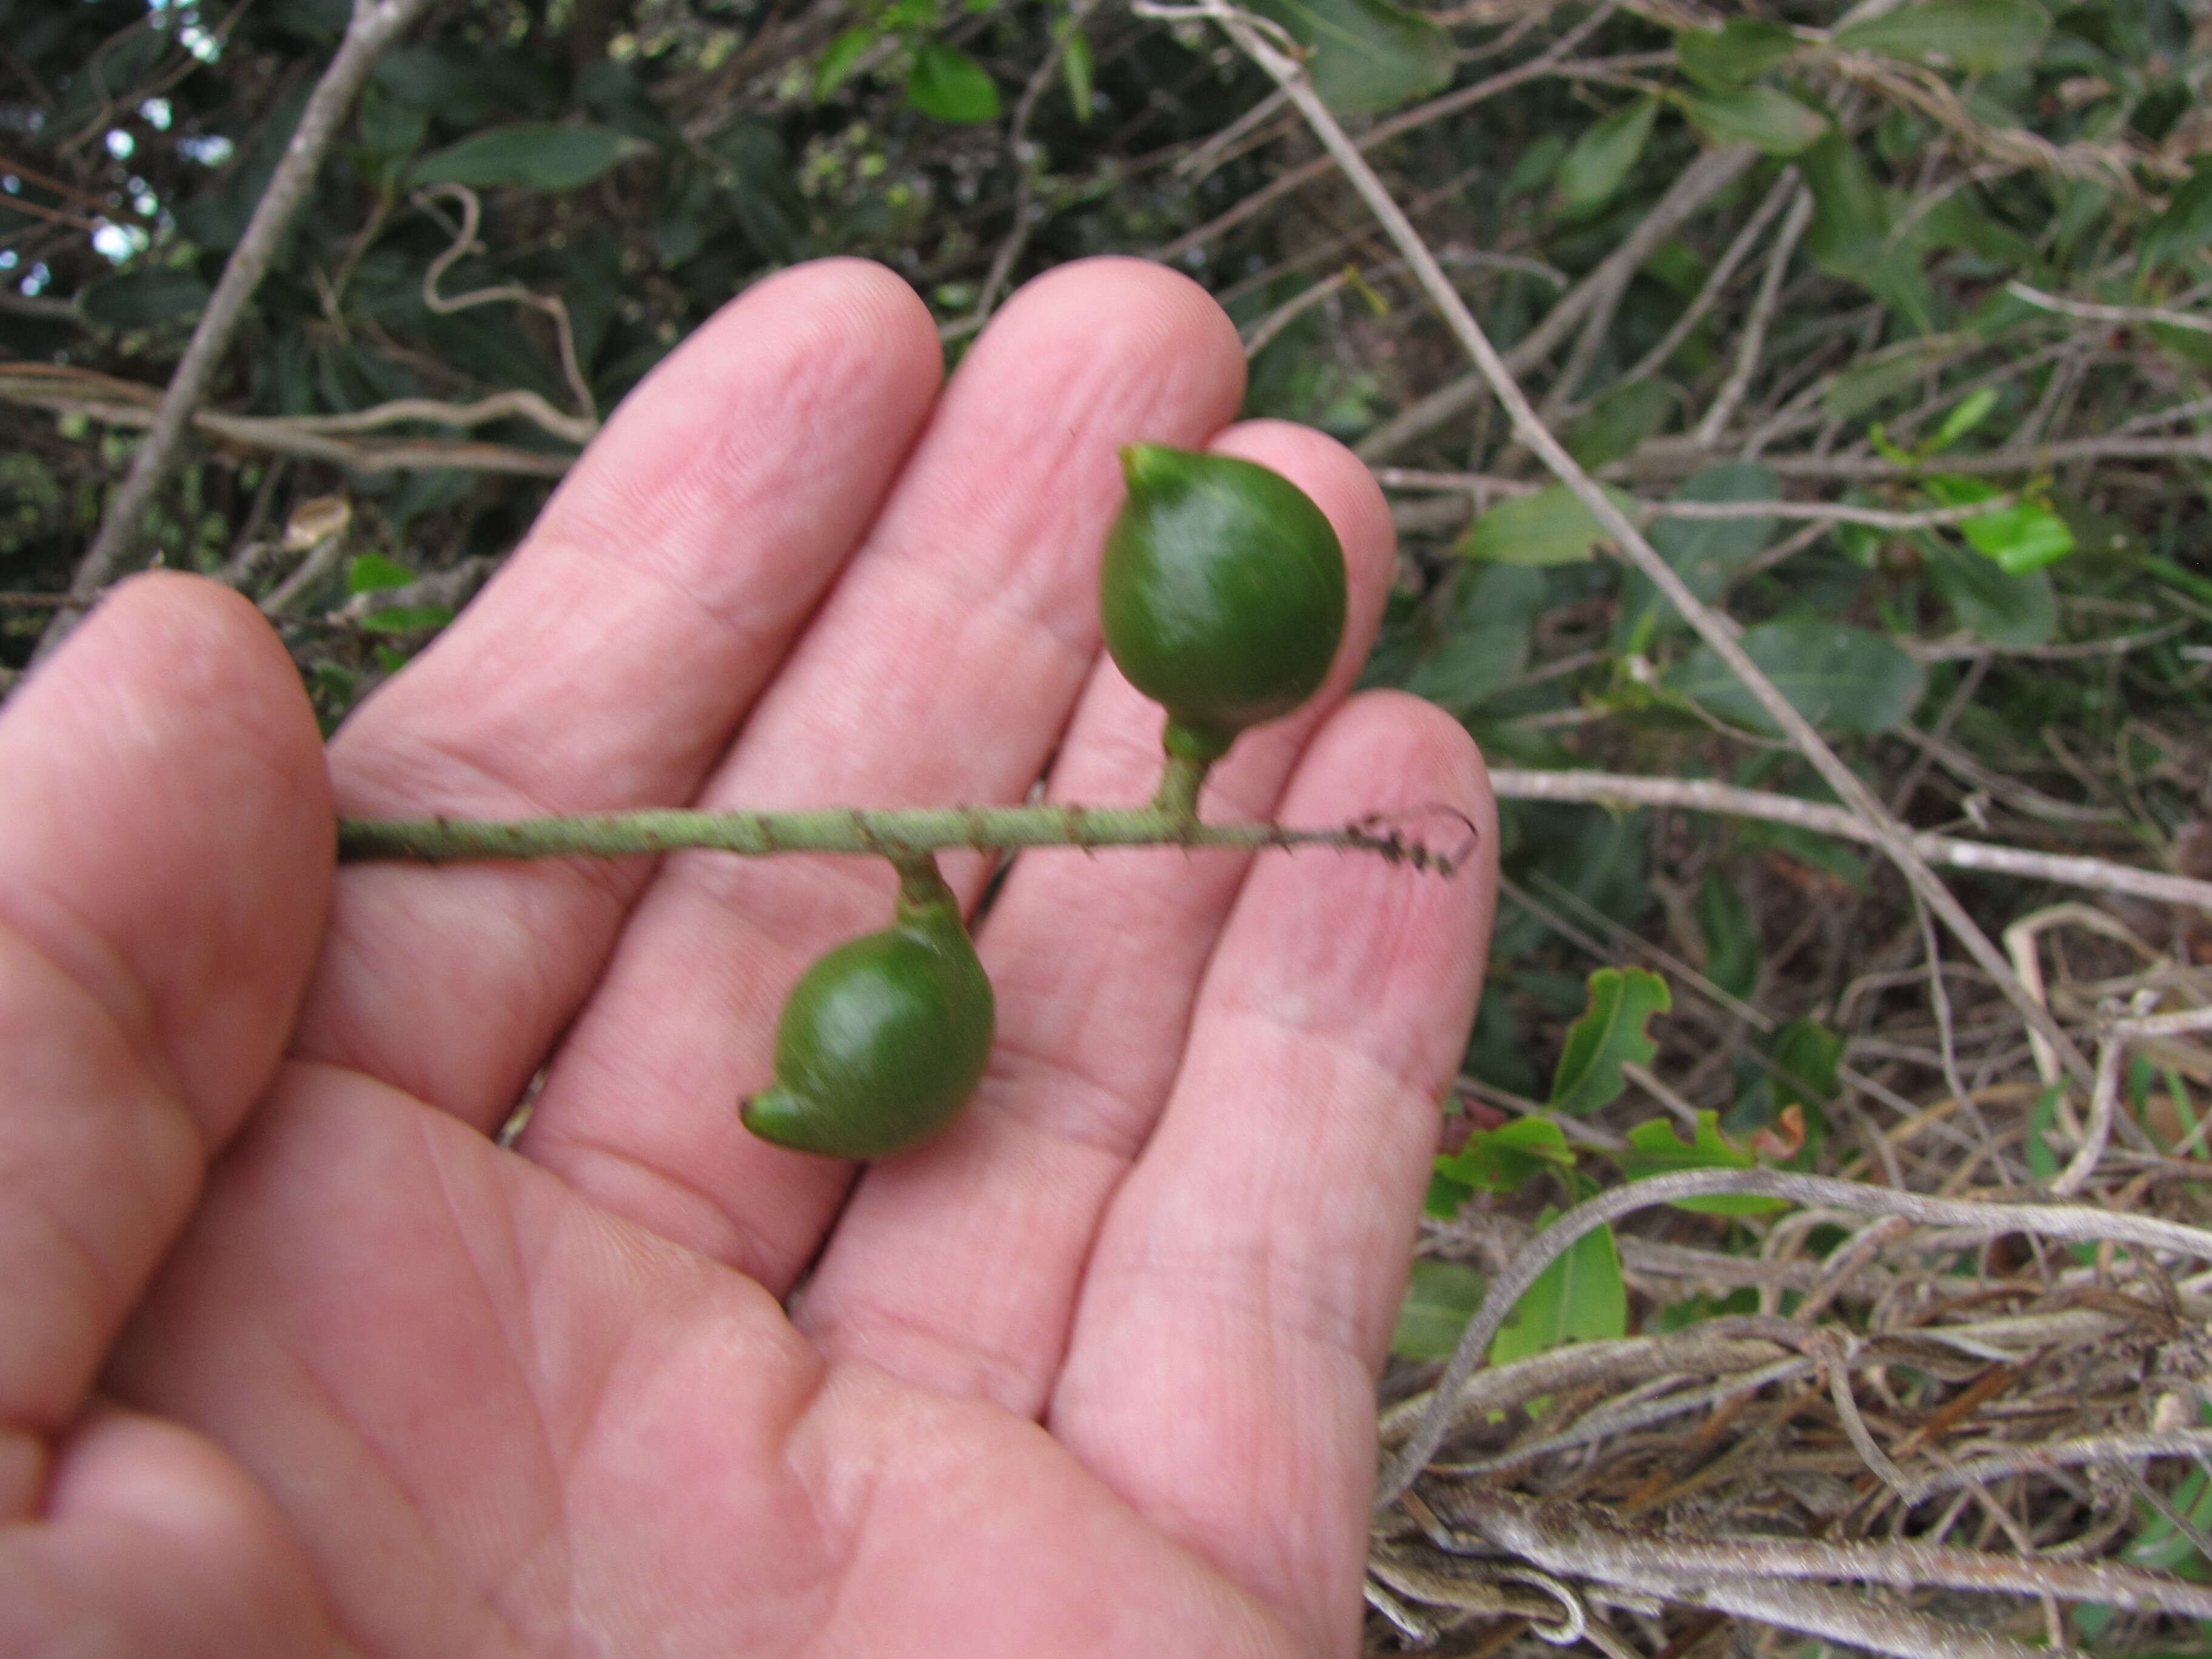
299,1361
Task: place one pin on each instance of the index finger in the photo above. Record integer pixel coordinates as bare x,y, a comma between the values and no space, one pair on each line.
606,666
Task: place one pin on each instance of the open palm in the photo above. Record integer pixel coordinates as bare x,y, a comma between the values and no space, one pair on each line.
1091,1374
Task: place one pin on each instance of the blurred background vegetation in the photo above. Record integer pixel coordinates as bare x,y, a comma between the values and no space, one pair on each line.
1888,320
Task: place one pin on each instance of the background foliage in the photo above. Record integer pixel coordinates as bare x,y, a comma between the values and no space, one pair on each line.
1890,323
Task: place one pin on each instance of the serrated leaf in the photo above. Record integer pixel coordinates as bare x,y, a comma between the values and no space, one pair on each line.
839,58
1733,948
1761,117
1739,51
1845,680
948,85
1609,1035
2013,611
1655,1149
1580,1298
529,154
1600,158
1978,37
1366,56
1502,1160
372,572
1441,1297
1550,526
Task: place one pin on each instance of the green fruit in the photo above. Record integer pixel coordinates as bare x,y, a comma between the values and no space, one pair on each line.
882,1041
1222,594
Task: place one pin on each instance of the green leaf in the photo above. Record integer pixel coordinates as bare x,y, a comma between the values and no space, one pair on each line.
1851,215
372,572
1739,51
839,58
1550,526
1578,1298
1600,158
1504,1159
947,84
141,299
2023,536
1979,37
2014,611
1076,69
1844,679
1619,421
530,154
1733,949
1367,56
1441,1297
2184,227
1706,553
1867,386
1807,1054
1654,1149
1971,413
1609,1035
1486,639
408,618
1761,117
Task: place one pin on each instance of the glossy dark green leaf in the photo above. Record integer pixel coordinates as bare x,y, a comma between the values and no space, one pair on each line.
1761,117
1610,1034
1366,56
1845,680
1738,52
527,154
948,85
1851,215
1601,158
1979,37
1441,1297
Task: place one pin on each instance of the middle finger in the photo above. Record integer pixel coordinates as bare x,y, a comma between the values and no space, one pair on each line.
941,669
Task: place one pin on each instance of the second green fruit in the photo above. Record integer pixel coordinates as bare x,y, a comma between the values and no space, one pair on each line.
883,1039
1222,595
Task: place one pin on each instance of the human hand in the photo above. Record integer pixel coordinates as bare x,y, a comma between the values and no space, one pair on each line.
1092,1373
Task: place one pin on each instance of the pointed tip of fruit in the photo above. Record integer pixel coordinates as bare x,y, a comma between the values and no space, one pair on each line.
1142,464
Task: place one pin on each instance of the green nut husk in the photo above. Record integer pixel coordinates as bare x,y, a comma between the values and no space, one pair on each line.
883,1039
1222,593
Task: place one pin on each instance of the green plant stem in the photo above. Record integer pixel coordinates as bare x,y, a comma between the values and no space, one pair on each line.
1181,779
892,833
